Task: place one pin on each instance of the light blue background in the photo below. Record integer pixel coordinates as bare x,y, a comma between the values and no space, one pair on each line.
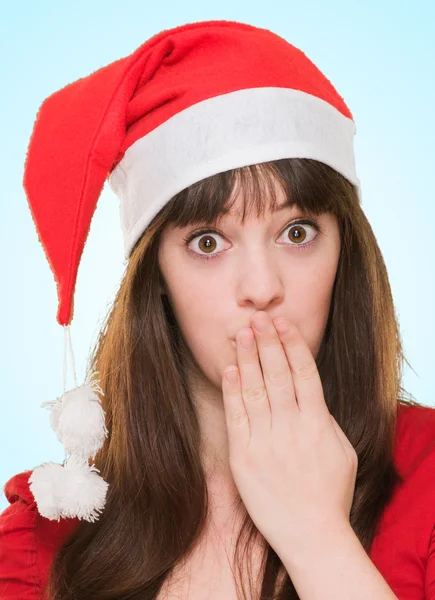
380,57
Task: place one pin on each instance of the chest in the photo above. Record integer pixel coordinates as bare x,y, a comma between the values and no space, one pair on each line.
200,585
207,575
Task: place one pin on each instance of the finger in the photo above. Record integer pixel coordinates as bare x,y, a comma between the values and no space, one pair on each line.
276,369
236,418
254,391
306,379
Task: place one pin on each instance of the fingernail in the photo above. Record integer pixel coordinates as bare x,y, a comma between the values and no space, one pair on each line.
261,323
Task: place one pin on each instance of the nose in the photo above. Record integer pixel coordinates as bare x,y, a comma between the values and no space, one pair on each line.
260,283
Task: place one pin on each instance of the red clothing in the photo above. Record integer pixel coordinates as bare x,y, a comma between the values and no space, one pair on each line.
403,550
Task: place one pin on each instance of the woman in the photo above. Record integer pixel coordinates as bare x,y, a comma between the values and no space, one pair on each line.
232,157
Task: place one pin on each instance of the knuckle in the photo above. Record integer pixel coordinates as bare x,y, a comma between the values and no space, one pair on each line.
305,371
255,394
279,378
239,419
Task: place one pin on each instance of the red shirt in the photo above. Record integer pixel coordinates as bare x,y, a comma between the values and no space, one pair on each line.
403,549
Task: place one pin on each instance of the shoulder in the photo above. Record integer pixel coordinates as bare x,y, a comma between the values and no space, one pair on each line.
404,541
19,575
414,458
415,438
28,541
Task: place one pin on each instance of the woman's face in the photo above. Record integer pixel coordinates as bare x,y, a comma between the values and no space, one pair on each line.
266,264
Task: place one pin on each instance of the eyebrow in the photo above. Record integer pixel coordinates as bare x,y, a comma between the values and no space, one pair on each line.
283,206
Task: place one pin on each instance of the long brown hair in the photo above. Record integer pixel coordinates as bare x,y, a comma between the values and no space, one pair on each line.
157,502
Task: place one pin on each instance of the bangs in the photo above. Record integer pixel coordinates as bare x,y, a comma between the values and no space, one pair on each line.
265,188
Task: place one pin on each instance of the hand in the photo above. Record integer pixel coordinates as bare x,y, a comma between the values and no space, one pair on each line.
294,468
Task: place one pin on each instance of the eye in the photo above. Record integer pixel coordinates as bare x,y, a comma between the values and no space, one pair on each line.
297,233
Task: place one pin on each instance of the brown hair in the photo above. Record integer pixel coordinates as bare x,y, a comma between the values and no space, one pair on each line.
157,500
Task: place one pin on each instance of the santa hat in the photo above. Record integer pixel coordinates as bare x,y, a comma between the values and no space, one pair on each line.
190,102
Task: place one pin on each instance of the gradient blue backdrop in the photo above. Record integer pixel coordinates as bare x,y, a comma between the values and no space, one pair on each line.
380,57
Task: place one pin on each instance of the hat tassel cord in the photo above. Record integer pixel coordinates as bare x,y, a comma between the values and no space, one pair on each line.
78,419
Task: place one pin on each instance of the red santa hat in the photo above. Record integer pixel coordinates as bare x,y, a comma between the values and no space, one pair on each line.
192,101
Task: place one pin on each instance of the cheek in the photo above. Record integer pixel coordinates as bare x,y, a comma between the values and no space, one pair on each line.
203,321
316,297
310,304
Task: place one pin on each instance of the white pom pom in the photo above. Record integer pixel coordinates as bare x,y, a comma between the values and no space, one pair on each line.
73,490
82,492
78,419
44,482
